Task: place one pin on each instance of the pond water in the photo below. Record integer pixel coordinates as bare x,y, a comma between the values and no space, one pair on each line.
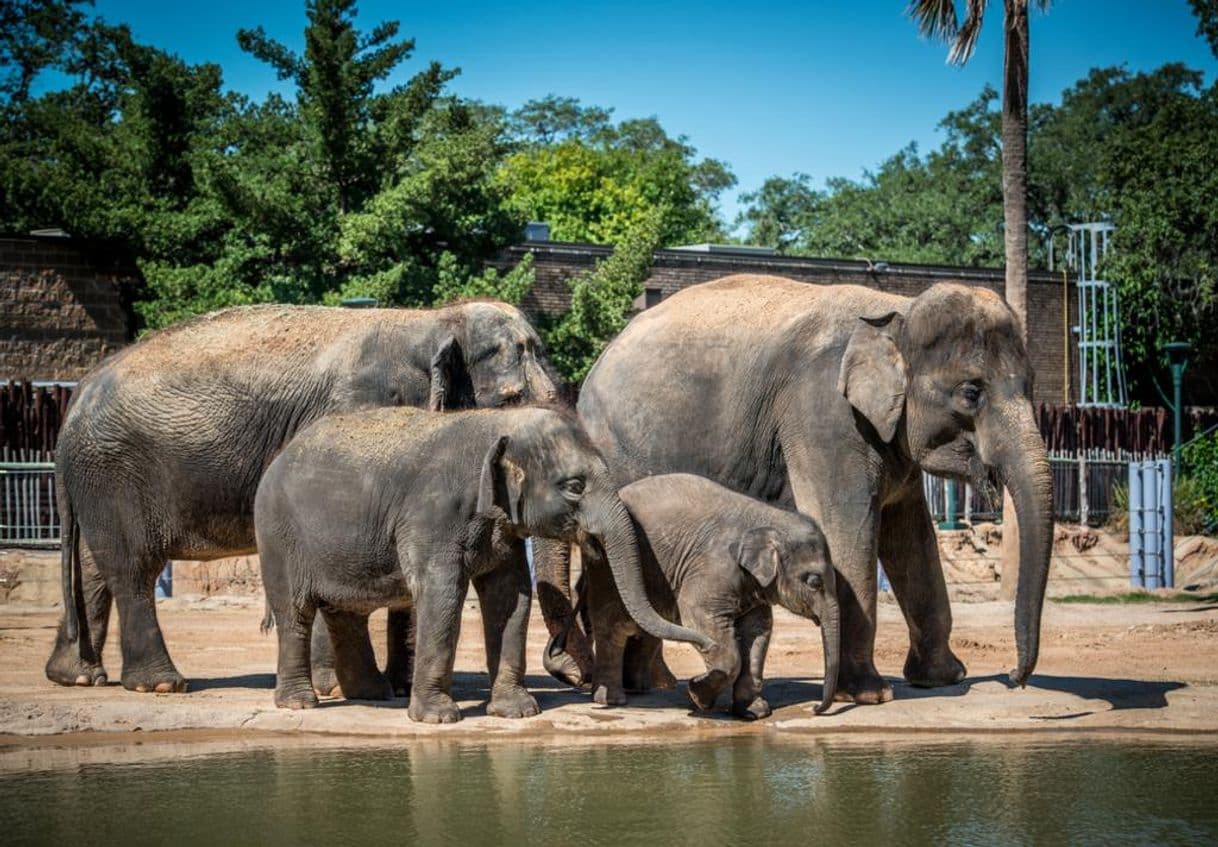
732,791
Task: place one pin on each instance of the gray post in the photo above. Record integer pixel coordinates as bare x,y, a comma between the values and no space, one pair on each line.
1167,515
1084,508
1137,541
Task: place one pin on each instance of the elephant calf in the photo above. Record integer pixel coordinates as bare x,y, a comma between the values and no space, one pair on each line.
716,561
401,507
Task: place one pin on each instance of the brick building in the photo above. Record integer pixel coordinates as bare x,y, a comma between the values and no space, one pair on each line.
1051,304
64,306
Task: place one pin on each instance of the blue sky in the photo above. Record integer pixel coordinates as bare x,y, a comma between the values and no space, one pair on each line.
827,88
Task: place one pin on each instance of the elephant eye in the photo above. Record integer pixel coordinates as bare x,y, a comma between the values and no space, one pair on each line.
484,355
815,581
573,487
970,393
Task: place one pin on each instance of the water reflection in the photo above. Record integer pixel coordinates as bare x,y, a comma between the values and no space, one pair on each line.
730,791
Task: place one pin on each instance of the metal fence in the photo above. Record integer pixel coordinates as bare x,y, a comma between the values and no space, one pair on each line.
28,516
1084,485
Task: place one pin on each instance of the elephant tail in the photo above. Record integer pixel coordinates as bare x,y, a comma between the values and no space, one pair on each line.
268,619
69,563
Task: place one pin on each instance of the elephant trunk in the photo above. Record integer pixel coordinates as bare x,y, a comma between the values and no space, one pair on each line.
1024,467
606,518
830,632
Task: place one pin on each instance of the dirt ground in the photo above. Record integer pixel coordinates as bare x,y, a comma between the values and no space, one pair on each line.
1147,667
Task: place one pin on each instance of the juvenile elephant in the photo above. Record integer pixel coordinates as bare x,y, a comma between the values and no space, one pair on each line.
402,507
162,449
832,400
715,561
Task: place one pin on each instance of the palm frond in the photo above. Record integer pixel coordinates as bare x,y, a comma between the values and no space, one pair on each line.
966,36
936,19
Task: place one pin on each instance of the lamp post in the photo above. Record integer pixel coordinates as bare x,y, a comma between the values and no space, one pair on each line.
1177,358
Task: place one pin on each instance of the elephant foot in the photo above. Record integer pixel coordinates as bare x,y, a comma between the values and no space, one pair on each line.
154,681
869,690
704,689
296,697
512,702
565,667
368,688
325,681
756,710
63,669
943,669
433,708
605,695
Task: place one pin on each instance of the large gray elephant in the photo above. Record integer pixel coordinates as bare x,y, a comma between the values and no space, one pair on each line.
401,508
833,400
716,561
163,447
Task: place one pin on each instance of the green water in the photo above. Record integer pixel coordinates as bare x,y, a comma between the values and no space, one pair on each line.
740,791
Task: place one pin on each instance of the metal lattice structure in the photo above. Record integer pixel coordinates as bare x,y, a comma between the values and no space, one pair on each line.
1101,375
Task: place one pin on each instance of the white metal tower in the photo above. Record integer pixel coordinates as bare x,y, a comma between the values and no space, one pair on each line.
1101,375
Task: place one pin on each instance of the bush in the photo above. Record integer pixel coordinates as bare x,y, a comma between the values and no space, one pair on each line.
1200,458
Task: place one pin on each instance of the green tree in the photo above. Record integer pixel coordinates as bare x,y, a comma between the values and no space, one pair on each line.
593,180
1207,21
602,300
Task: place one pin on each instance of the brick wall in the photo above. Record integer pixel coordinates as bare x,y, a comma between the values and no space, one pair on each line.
673,270
62,307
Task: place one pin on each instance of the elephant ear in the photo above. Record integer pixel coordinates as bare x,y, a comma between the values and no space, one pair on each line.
451,387
502,483
872,377
759,551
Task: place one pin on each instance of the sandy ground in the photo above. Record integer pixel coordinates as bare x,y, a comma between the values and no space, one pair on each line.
1149,667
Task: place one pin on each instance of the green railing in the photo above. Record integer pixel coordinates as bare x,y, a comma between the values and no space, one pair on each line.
28,516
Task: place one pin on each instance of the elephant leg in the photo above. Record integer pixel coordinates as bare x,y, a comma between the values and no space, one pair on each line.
146,663
753,630
354,659
910,553
438,623
505,596
851,527
325,677
79,662
293,685
399,663
644,668
610,640
722,660
552,564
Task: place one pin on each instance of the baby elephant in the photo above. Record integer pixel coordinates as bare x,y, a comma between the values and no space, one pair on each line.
716,561
401,507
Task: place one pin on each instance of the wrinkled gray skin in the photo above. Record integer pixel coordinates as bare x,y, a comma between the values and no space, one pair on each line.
715,561
832,400
162,449
404,508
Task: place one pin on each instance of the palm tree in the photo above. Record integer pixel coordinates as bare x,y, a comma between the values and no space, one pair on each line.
937,19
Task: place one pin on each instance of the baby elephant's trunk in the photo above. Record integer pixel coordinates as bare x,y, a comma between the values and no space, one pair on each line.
830,629
606,519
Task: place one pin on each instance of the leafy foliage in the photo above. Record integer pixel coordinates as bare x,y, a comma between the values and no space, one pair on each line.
602,300
594,180
1200,459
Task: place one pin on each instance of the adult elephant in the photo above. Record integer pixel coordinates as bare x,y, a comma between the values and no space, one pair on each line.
832,400
163,447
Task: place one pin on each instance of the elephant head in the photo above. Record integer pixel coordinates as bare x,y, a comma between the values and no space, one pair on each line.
794,567
551,482
948,384
491,357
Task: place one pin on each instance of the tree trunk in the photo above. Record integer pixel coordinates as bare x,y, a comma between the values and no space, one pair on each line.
1015,224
